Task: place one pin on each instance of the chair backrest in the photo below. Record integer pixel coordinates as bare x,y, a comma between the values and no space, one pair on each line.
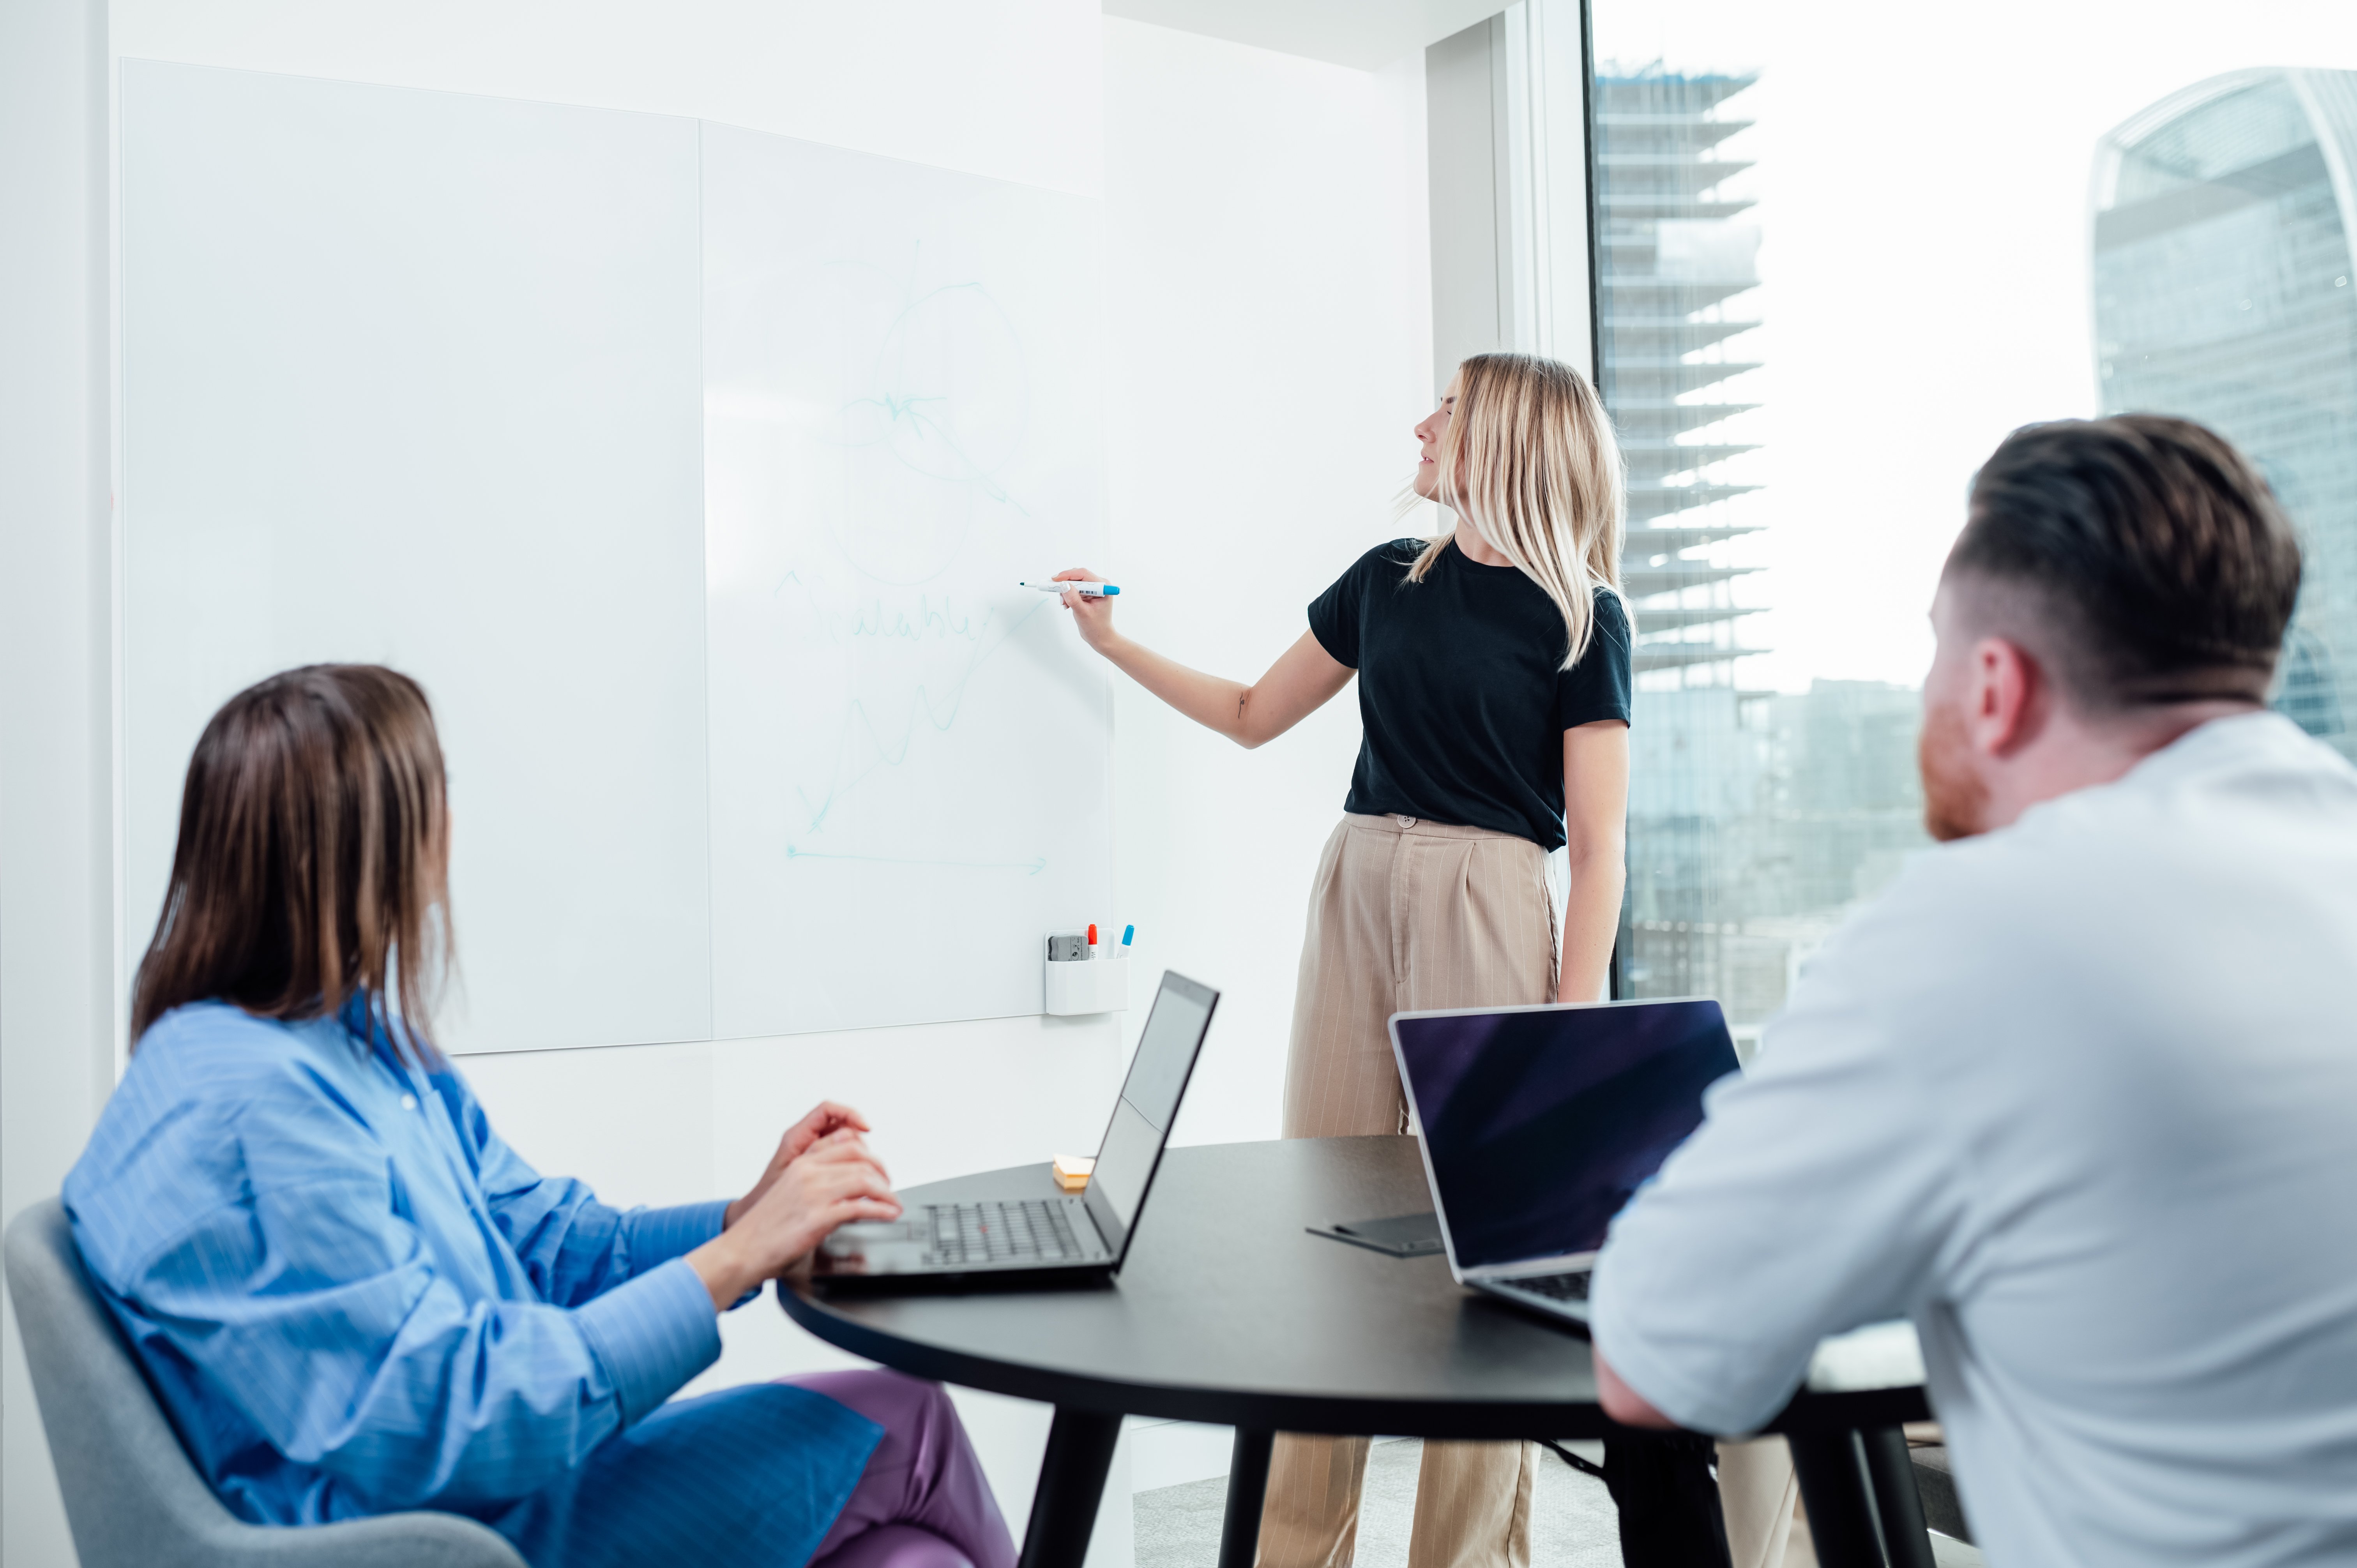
130,1489
132,1495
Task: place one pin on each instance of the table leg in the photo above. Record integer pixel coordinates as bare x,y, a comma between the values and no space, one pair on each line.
1896,1503
1247,1490
1841,1510
1071,1484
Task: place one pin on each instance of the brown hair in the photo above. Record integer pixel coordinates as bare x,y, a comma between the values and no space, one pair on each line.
2152,562
314,831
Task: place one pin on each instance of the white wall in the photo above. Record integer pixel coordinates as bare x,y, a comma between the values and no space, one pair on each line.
1367,34
1006,88
1268,329
55,583
1269,343
1268,325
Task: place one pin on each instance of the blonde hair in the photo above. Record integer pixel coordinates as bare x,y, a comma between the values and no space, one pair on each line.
1529,455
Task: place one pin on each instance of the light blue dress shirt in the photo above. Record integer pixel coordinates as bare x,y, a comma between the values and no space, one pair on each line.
354,1299
2077,1096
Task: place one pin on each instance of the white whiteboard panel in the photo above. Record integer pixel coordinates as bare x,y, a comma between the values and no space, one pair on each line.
415,377
909,754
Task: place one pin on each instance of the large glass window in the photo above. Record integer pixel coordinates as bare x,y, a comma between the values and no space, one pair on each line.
1841,252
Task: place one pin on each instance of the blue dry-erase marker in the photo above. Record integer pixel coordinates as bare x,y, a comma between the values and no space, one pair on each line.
1086,590
1128,933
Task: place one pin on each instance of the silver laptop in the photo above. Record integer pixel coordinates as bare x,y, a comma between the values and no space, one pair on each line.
1537,1124
1024,1239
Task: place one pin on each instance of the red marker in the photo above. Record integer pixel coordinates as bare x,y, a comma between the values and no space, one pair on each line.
1092,940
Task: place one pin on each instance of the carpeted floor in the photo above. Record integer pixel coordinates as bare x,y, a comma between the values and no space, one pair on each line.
1572,1522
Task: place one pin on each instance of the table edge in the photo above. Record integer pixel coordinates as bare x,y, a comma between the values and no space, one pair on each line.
1260,1410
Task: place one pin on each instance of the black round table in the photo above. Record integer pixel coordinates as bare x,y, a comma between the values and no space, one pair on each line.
1227,1311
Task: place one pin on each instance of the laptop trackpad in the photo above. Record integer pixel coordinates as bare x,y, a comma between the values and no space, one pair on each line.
1401,1235
875,1247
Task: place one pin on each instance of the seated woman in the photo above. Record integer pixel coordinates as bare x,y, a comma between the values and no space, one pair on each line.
354,1299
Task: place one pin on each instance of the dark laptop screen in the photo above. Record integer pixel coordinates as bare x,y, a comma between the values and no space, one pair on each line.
1539,1124
1148,1104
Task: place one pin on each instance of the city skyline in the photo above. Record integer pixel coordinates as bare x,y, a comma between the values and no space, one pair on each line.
1924,271
1773,790
1756,818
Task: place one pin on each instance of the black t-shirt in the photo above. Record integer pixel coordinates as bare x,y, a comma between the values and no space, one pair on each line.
1460,688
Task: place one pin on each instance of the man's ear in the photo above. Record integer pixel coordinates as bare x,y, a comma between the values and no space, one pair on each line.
2008,700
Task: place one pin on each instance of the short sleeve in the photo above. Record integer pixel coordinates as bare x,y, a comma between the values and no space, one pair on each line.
1597,688
1817,1196
1337,616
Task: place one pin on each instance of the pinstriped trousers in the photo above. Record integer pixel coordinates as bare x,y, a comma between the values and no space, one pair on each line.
1404,913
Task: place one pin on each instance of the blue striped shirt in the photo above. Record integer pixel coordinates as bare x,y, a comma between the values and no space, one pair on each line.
353,1298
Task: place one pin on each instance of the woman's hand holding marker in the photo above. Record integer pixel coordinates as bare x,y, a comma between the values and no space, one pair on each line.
1093,614
1088,588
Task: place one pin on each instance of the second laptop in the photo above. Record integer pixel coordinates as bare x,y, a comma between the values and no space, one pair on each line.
1537,1124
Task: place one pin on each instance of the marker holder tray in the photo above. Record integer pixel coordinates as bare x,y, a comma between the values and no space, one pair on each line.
1088,985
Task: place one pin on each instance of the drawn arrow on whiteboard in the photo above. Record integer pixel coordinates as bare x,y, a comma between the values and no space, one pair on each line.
1034,866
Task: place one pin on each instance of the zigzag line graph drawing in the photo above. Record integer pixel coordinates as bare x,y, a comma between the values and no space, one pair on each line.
886,744
900,373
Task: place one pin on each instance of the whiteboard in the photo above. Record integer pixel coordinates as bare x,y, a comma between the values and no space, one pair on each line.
908,760
690,470
412,378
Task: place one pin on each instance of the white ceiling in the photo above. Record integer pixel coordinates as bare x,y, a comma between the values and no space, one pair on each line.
1364,34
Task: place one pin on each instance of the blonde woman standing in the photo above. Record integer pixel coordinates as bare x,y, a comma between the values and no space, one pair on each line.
1493,684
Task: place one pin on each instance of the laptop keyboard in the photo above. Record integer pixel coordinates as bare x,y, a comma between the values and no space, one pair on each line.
1028,1231
1555,1287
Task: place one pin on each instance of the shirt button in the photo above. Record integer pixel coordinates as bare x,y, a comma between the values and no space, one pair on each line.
409,1102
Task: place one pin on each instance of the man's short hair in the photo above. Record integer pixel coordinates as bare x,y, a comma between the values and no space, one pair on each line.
2141,558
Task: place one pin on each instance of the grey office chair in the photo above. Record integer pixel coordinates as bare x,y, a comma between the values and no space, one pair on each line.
132,1495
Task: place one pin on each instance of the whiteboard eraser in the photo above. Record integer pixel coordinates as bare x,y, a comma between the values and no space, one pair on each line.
1072,1171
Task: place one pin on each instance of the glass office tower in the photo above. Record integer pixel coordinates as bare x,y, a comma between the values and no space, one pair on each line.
1757,819
1674,266
2225,290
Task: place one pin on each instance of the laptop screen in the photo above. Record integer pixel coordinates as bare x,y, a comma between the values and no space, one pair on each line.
1149,1102
1539,1123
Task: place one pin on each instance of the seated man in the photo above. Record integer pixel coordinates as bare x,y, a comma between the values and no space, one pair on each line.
2079,1094
354,1299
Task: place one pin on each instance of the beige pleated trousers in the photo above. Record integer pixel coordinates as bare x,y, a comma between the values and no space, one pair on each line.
1761,1498
1404,913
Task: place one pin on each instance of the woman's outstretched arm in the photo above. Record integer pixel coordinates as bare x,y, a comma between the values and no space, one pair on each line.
1596,830
1304,677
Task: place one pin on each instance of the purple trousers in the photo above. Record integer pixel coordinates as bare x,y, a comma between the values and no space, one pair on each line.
922,1501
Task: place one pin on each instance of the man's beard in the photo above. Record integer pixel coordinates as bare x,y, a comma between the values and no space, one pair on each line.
1955,801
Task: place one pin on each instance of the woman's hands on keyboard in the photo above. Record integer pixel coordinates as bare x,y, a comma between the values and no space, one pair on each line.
823,1177
828,1117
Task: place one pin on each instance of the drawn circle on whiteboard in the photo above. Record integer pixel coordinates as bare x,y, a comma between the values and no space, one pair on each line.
885,408
954,390
939,418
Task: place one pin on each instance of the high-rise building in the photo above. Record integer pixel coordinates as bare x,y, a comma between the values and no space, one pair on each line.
1757,820
2226,291
1672,259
